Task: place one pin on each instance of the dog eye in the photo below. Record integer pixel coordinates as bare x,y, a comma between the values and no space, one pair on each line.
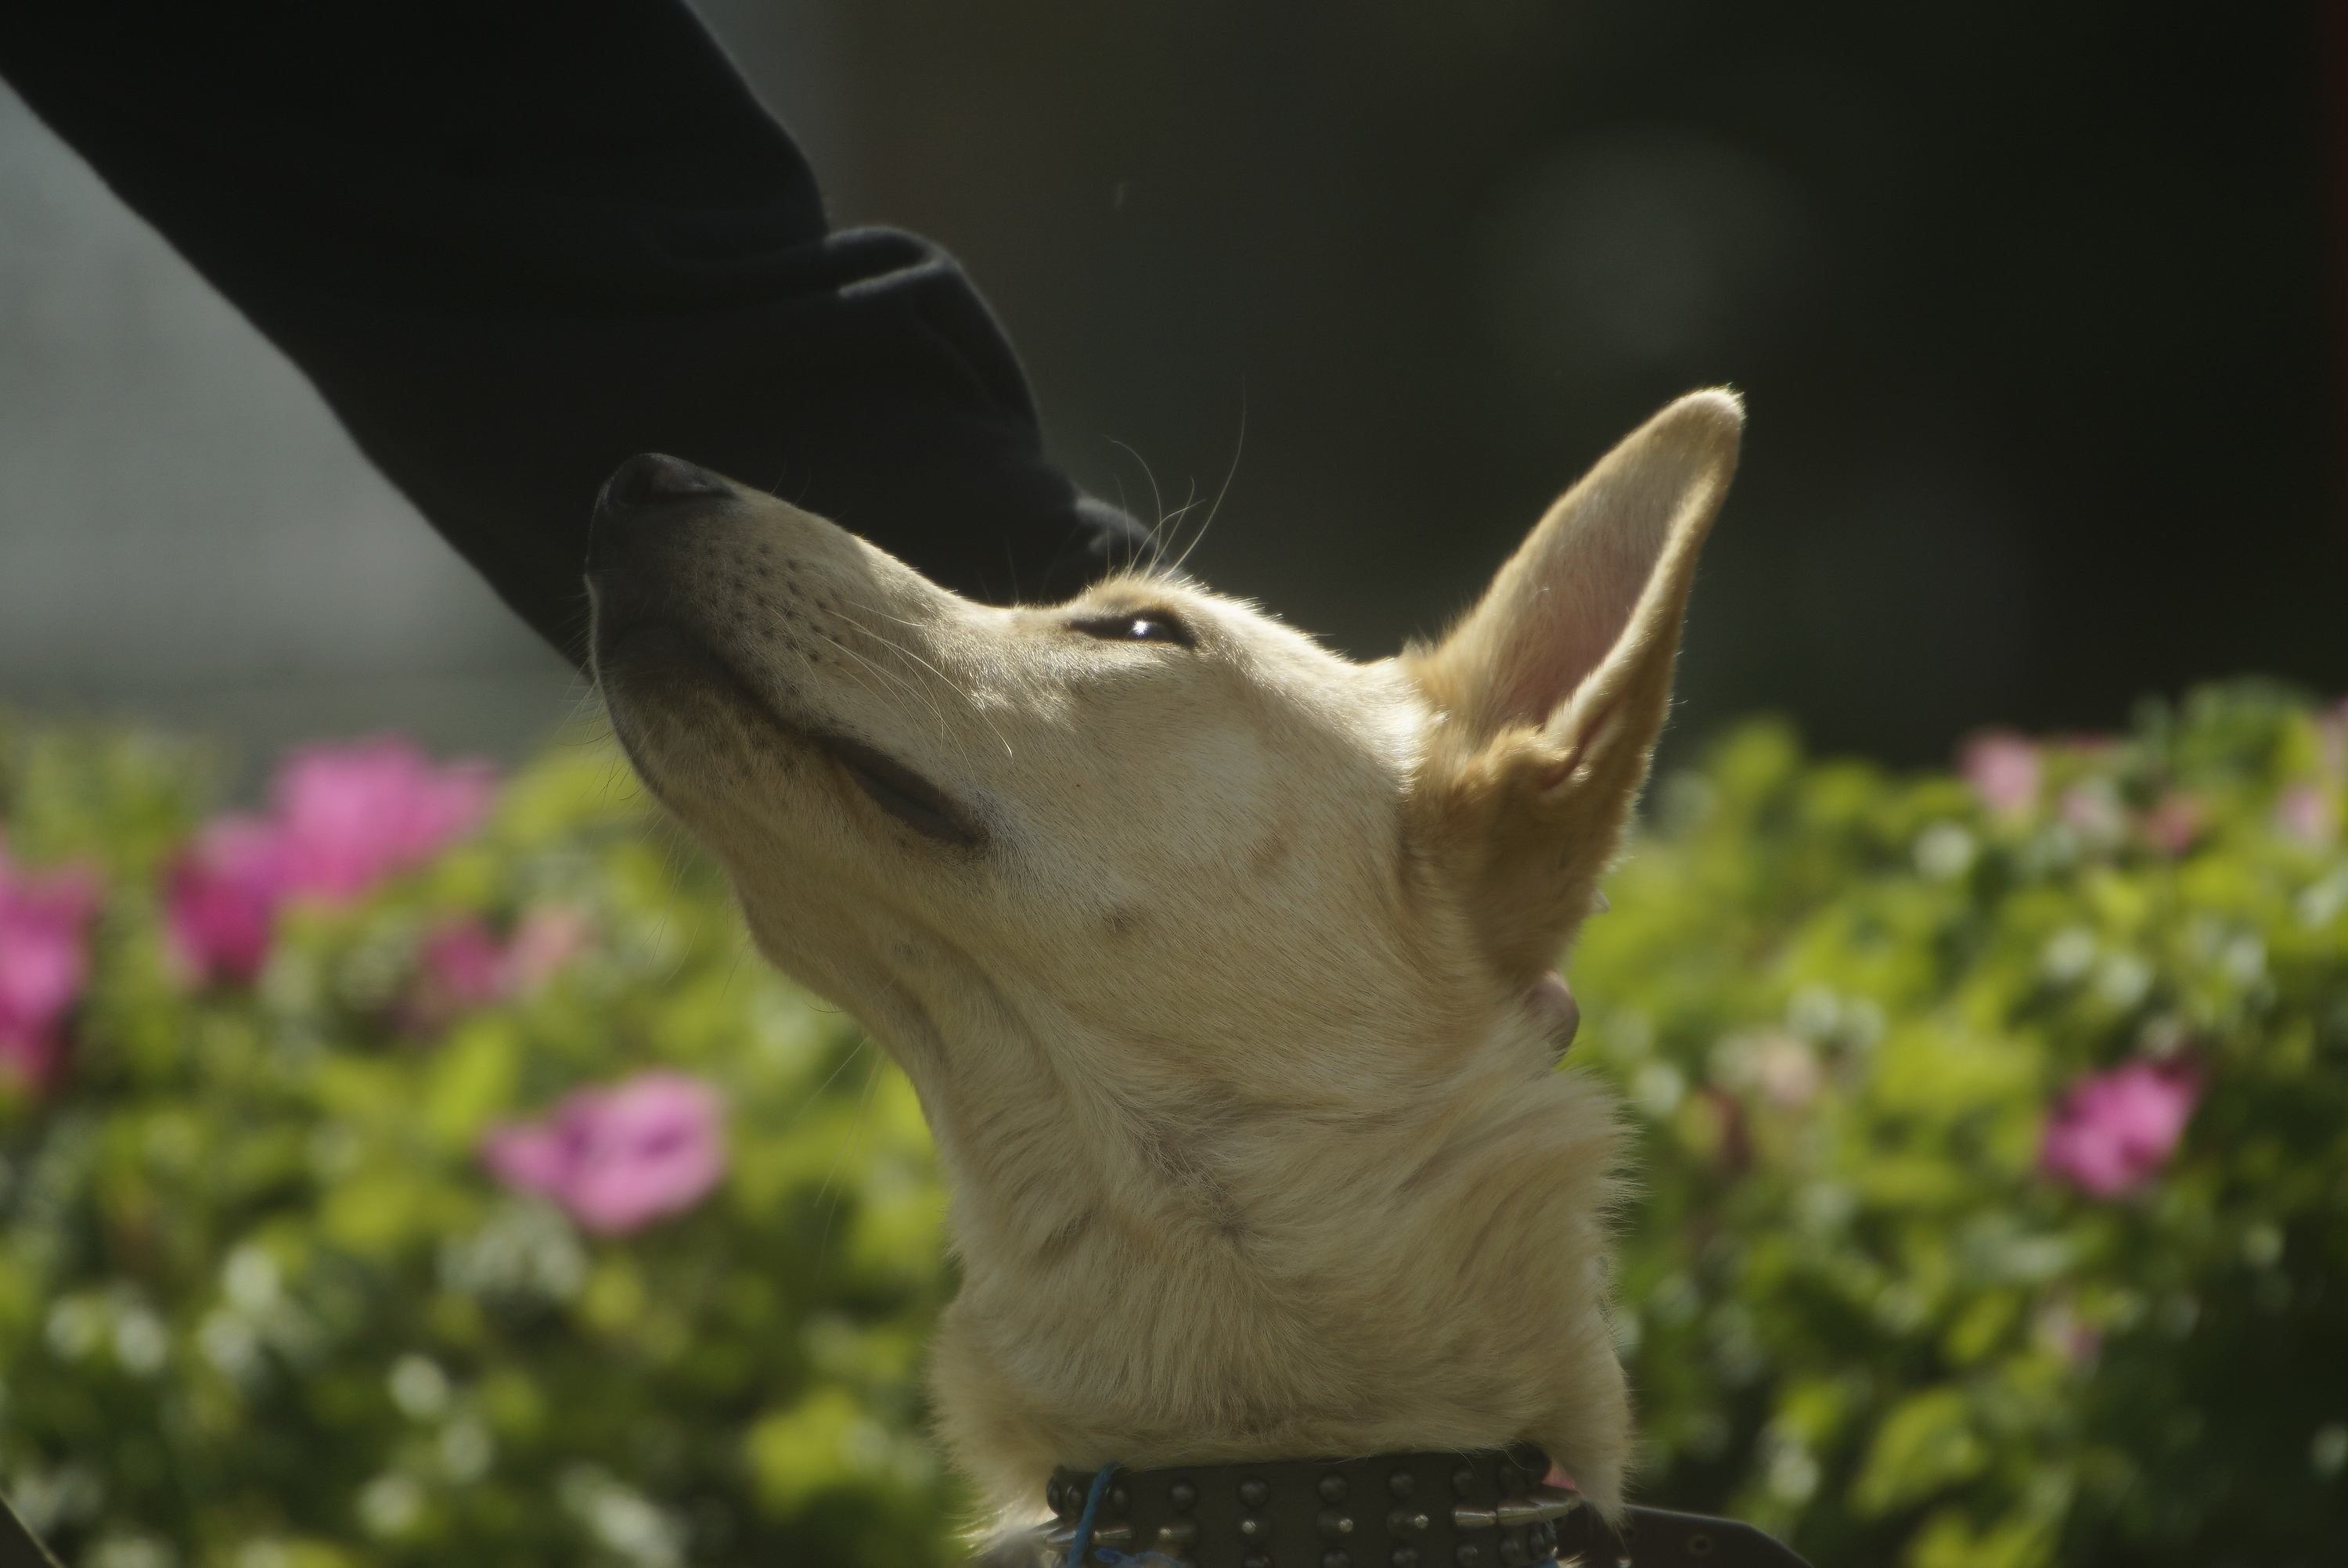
1153,626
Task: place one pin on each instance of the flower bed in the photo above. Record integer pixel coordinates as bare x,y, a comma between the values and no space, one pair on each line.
423,1170
1996,1154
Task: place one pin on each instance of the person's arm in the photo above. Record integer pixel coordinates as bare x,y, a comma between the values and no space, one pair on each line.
514,244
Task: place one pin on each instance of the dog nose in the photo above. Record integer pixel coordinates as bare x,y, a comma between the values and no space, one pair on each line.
654,479
638,493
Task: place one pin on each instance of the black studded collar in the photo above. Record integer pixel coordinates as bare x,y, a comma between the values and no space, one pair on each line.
1487,1509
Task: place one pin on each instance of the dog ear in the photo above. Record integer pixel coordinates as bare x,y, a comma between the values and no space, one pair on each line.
1550,692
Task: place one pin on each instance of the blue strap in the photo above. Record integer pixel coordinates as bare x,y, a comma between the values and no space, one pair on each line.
1084,1541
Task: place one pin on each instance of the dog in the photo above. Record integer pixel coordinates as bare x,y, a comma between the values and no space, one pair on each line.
1222,965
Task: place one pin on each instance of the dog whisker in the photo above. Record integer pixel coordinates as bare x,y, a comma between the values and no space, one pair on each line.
977,708
945,731
1156,500
1238,445
857,1131
902,683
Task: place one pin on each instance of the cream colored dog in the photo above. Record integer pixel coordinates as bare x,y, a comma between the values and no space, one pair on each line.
1221,964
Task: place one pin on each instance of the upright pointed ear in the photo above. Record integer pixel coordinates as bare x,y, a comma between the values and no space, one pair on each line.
1550,691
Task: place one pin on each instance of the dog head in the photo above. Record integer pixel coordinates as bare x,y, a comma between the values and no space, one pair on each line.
1221,963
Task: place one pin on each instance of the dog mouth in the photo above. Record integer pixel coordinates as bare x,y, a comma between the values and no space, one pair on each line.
886,782
899,790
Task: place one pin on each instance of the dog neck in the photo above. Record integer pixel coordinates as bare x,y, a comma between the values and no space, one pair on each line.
1167,1278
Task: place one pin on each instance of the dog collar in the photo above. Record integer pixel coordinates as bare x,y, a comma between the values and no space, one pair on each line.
1487,1509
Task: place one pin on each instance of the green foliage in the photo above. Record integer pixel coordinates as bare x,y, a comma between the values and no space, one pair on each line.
262,1306
1841,1004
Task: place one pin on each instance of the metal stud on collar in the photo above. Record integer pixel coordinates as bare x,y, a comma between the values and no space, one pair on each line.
1300,1515
1303,1514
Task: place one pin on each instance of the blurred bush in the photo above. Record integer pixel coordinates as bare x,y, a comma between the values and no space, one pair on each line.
263,1306
425,1170
1918,1277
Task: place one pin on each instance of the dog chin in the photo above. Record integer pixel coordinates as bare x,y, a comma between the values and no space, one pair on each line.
668,691
680,711
652,661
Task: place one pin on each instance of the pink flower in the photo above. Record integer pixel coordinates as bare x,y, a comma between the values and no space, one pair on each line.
463,966
1787,1070
221,898
548,937
2005,771
353,814
344,817
2305,812
2174,824
618,1158
2114,1129
2058,1328
44,963
2332,738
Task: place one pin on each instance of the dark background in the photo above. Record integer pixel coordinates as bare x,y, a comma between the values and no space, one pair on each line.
2031,305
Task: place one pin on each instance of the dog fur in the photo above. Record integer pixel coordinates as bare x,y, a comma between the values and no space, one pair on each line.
1221,964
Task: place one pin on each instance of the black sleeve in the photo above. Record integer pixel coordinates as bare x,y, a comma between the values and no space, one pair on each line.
513,244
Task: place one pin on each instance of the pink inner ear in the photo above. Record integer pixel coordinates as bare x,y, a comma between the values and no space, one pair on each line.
1586,731
1552,1002
1569,607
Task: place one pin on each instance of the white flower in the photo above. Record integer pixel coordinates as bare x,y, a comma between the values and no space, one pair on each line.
251,1279
467,1450
390,1504
1658,1089
142,1344
647,1535
130,1551
419,1387
76,1327
2123,979
2069,953
231,1343
1944,852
